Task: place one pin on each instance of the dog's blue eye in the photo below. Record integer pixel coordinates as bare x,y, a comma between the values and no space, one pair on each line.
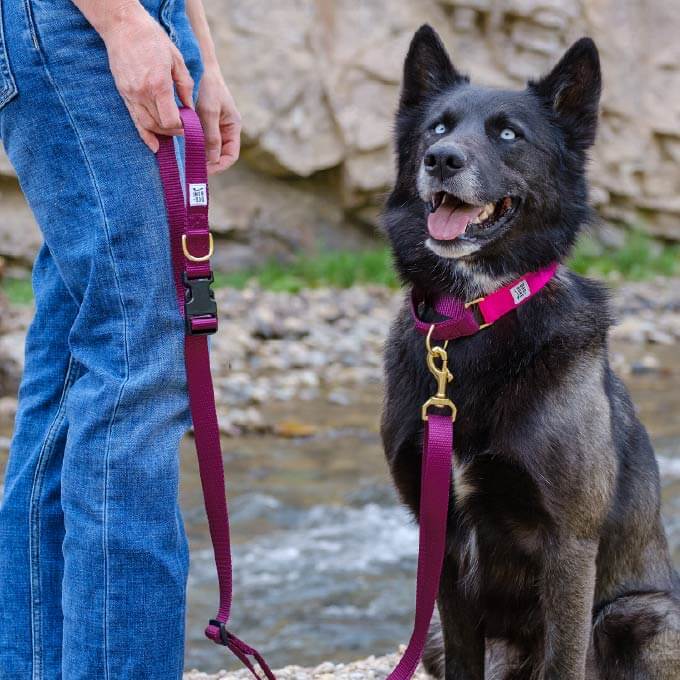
508,134
440,129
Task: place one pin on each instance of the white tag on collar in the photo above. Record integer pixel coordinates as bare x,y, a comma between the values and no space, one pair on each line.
520,292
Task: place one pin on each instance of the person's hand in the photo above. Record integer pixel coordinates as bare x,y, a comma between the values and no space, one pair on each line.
145,65
220,119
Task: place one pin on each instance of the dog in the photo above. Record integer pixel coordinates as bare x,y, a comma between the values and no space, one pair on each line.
556,566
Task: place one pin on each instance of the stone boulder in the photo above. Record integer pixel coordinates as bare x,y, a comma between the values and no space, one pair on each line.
317,83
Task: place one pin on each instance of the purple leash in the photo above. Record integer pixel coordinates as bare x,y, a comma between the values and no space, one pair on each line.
191,245
435,485
435,482
435,476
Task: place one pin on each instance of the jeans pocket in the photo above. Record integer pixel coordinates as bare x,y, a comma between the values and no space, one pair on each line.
165,11
8,87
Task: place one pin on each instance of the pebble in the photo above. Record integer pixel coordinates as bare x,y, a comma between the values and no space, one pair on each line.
647,364
282,346
373,668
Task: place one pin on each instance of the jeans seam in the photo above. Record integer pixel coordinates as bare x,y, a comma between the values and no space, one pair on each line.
28,11
182,569
119,396
44,457
9,89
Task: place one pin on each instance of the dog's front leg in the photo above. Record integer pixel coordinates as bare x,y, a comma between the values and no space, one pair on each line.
568,591
461,628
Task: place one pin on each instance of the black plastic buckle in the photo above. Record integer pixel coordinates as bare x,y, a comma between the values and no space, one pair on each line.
199,301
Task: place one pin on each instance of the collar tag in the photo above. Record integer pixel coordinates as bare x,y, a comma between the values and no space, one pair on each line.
520,291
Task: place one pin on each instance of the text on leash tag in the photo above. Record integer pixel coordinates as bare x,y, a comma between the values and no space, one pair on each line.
520,292
198,194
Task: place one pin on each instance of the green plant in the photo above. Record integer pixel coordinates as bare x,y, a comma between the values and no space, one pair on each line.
339,269
18,291
639,258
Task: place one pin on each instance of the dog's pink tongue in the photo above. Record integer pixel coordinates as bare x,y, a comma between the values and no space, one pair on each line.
447,223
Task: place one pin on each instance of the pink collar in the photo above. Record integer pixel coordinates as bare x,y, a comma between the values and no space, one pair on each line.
460,321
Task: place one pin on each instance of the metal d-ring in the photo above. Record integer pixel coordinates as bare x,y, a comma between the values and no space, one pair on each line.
201,258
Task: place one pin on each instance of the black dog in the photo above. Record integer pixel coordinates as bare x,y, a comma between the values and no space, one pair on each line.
557,565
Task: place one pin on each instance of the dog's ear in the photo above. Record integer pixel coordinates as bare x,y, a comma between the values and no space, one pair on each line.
427,69
572,90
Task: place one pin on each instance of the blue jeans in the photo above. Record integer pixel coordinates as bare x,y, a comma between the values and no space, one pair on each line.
93,554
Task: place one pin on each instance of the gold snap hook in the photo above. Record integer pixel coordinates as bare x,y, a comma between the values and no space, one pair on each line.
441,374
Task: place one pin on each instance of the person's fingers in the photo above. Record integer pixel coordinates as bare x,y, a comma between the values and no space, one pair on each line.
184,83
148,119
231,147
168,111
234,145
231,142
217,168
146,126
148,137
210,120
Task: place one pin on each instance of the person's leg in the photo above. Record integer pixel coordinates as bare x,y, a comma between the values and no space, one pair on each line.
31,520
95,190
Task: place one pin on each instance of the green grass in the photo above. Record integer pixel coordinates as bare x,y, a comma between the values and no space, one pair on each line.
640,258
18,291
339,269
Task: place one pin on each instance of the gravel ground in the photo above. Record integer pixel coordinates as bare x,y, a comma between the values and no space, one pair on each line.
368,669
323,343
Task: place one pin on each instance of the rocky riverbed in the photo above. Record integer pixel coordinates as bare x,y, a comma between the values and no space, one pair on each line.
373,668
326,343
288,366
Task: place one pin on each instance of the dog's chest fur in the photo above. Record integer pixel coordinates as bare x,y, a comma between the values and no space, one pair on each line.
517,392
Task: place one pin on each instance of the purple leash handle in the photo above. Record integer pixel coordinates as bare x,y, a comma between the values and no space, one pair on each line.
190,247
435,485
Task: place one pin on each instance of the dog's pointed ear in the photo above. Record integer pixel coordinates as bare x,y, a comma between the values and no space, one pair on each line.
427,69
572,89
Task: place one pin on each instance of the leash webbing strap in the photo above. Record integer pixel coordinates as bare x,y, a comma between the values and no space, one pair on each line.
191,247
435,485
435,476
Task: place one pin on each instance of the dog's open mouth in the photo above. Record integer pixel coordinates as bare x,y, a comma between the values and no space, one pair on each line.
451,218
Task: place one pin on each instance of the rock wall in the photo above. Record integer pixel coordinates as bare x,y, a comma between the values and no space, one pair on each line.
317,82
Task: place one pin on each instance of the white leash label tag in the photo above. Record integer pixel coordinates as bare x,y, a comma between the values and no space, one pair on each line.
520,292
198,195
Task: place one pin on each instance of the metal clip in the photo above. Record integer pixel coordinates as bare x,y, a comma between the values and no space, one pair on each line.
441,374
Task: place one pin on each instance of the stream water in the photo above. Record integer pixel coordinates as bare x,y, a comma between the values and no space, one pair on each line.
324,556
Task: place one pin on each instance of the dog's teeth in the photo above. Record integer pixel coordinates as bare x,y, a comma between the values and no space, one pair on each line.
437,201
487,212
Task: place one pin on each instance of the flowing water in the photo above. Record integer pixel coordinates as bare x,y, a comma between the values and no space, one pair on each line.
324,556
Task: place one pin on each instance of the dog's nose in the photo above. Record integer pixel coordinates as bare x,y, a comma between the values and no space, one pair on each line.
444,161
